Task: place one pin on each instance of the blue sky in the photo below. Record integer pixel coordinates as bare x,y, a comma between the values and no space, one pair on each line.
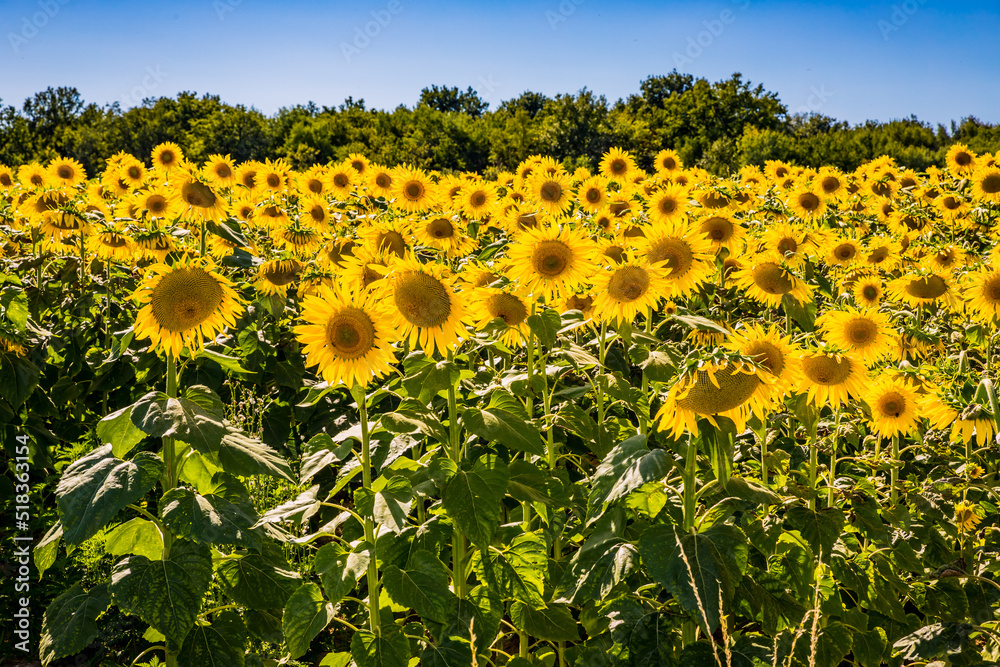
850,60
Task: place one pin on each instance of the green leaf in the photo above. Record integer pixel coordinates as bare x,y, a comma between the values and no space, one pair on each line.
869,647
431,378
322,450
650,641
166,594
17,380
70,622
820,528
258,581
243,455
118,430
226,362
335,660
228,229
306,615
529,483
803,314
554,622
47,549
413,417
626,468
15,303
593,572
339,569
370,650
505,422
209,519
472,499
185,419
711,576
93,489
517,571
833,642
221,643
387,502
136,536
545,326
422,586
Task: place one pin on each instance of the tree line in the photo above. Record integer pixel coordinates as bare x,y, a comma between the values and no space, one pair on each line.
719,126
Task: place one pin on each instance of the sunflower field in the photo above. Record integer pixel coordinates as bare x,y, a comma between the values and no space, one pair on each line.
370,415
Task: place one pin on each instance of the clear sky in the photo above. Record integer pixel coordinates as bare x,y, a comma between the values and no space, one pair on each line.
851,60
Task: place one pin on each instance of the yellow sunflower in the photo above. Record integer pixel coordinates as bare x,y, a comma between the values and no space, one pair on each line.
220,171
688,256
477,199
666,163
722,231
272,176
982,294
893,406
732,387
767,281
363,270
445,233
183,304
246,174
616,164
922,288
347,336
391,236
302,242
831,379
551,261
314,182
67,172
669,204
340,180
336,251
413,190
33,176
986,184
195,198
843,251
275,276
883,252
788,243
966,422
867,334
552,192
358,163
960,159
487,304
592,193
868,291
154,243
773,352
627,289
167,156
426,310
109,243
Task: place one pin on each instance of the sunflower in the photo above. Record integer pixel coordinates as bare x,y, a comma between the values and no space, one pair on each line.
426,309
362,270
167,156
347,336
7,178
380,181
982,294
630,288
730,386
33,176
829,378
831,182
868,291
61,224
960,159
109,243
269,215
773,352
154,243
156,202
666,163
413,190
219,171
689,256
967,517
883,252
722,231
183,304
867,334
788,243
359,163
612,250
922,288
842,251
336,251
592,193
132,172
246,174
194,197
617,164
67,172
314,182
275,276
552,192
475,274
445,233
893,405
807,202
391,236
767,281
487,304
551,261
986,184
669,204
966,421
951,205
314,212
341,180
583,302
477,199
302,242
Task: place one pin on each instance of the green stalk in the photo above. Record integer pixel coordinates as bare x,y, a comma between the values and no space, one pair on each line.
203,225
358,392
169,483
602,353
455,453
813,463
645,419
894,471
833,458
690,471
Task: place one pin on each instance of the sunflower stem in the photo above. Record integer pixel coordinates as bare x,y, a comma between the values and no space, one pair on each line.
833,457
602,353
813,463
690,472
894,471
203,225
644,419
455,453
168,484
358,392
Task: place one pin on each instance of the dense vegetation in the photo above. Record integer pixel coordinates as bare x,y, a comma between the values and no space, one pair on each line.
720,126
